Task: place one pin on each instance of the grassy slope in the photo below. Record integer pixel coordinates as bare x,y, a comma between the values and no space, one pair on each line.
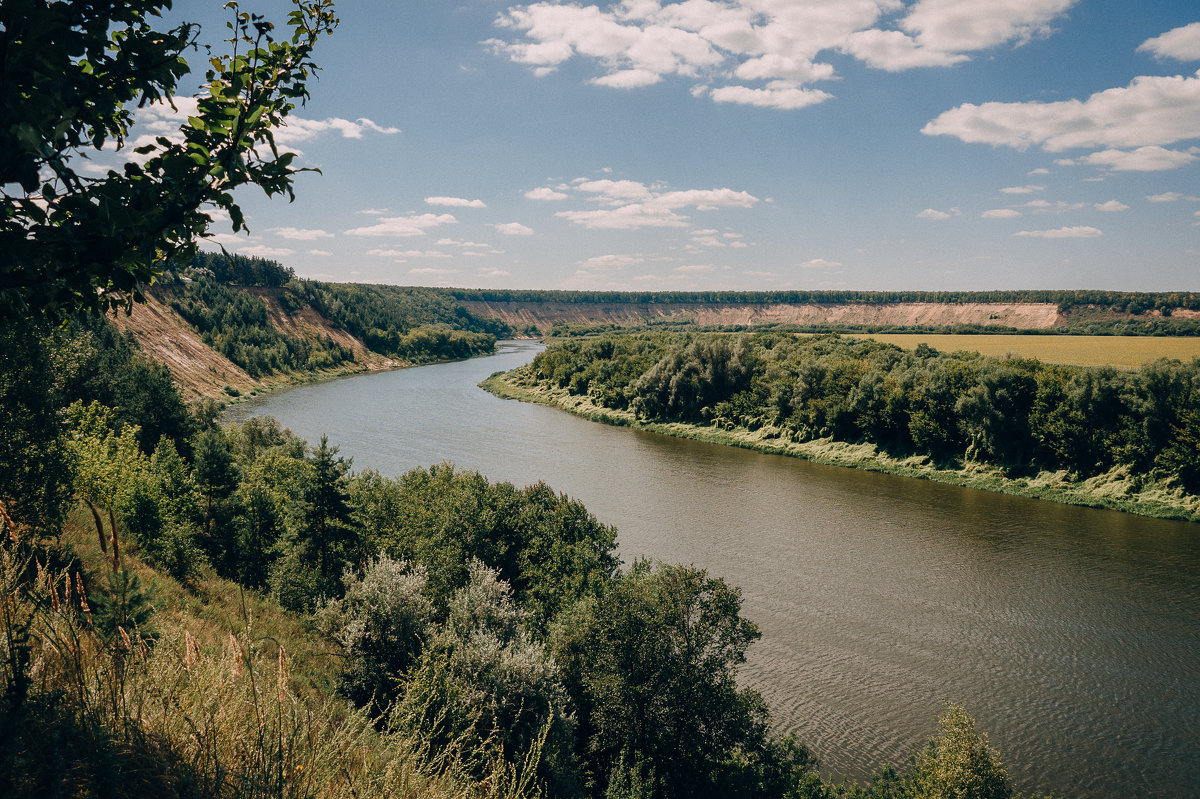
1116,490
211,709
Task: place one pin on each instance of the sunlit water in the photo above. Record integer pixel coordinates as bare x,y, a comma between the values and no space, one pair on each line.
1072,635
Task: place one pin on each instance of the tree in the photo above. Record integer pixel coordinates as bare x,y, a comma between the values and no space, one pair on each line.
72,75
329,537
959,763
651,665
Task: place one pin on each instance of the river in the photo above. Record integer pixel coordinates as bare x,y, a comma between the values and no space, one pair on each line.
1072,635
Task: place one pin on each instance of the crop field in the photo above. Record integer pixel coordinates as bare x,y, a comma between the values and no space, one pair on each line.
1121,352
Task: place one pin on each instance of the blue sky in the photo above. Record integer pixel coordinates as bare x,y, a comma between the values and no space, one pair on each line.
744,144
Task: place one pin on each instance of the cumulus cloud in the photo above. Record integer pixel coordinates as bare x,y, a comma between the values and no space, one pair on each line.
493,273
1152,110
1000,213
1182,44
934,214
299,129
392,253
1170,197
610,262
818,263
544,193
736,43
513,229
430,271
1112,206
455,202
1022,189
782,95
403,226
631,204
1077,232
300,234
1144,159
265,252
319,252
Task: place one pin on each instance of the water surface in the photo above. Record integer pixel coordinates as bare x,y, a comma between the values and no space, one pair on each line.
1072,635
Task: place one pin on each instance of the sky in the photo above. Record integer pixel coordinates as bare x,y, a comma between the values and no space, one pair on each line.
741,144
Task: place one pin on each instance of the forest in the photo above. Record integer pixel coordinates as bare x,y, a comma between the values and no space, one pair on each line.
482,633
1018,414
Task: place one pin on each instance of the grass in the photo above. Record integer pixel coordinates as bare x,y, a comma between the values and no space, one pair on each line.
229,697
1120,352
1115,490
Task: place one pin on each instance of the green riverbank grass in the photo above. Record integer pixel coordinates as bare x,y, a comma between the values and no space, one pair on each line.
1115,490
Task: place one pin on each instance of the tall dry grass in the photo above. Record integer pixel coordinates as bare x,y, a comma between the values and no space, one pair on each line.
129,716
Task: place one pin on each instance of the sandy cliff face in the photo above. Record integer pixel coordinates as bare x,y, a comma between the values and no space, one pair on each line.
542,315
164,337
202,372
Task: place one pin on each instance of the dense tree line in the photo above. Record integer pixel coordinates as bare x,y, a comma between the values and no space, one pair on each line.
1019,414
1129,301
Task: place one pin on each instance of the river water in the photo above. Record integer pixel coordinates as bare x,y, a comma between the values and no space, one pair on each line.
1071,635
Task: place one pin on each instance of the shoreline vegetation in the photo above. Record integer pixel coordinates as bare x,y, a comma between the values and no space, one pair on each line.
1116,489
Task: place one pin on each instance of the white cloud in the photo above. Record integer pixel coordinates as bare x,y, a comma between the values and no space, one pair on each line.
373,211
1170,197
638,43
954,26
544,193
402,226
626,217
1112,206
895,51
231,239
694,269
1022,189
607,262
635,205
1039,171
1078,232
432,272
781,95
265,252
818,263
513,229
931,213
1056,207
1182,44
1152,110
391,253
299,129
493,273
1000,213
1143,159
319,252
300,234
455,202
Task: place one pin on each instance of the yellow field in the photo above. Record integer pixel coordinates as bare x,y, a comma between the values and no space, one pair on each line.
1121,352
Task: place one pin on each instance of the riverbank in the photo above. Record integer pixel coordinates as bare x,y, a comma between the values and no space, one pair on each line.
1114,490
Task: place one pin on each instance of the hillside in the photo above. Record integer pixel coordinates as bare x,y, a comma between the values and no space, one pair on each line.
200,371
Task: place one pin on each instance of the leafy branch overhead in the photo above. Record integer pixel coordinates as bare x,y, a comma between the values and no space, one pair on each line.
73,76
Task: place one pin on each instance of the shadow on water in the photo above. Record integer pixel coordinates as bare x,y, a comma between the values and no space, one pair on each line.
1072,635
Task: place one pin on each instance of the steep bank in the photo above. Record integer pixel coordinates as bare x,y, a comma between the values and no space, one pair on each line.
200,371
1116,490
543,315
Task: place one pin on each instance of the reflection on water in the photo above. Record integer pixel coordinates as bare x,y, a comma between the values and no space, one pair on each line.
1072,635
